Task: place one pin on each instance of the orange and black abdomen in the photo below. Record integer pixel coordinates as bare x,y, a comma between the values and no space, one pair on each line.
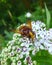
25,31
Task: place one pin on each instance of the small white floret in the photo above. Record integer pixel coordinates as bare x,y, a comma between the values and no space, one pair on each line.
28,15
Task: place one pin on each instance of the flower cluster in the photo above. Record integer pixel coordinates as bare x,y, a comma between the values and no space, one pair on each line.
20,50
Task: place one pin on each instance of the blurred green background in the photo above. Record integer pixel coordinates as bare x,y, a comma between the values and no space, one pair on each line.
12,14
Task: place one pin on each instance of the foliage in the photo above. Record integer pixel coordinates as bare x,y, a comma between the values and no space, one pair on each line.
43,58
48,15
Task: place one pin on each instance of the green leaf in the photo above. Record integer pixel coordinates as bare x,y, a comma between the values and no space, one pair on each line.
48,16
43,58
22,18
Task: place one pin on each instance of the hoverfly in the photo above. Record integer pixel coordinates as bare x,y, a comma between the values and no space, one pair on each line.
26,31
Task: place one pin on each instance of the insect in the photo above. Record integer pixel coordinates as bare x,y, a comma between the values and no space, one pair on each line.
26,31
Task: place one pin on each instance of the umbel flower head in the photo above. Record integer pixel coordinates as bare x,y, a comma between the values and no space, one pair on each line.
20,50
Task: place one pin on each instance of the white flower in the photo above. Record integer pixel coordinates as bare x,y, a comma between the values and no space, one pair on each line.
34,52
16,35
12,53
42,25
18,50
17,57
24,49
4,50
50,30
13,47
20,56
34,63
50,34
30,63
25,53
19,63
50,50
28,15
11,42
25,61
13,63
25,44
3,63
9,48
13,59
41,47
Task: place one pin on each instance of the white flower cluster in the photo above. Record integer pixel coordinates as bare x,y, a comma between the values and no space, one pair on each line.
20,50
43,36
